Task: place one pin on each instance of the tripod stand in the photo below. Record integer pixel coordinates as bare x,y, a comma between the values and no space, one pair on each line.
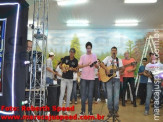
113,84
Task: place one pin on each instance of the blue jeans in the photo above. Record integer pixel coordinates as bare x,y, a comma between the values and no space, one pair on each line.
49,80
149,95
97,89
74,94
110,95
84,85
104,88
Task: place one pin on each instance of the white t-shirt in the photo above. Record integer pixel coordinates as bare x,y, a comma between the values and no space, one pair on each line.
75,76
153,68
108,62
59,72
49,64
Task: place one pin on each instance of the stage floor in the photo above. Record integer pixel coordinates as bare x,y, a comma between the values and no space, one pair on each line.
127,114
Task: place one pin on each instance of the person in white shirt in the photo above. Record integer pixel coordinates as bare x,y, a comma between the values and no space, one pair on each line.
49,69
97,85
152,66
59,73
109,61
74,88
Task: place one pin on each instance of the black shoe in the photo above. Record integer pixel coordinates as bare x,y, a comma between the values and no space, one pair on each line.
110,114
134,104
82,114
90,113
116,114
123,102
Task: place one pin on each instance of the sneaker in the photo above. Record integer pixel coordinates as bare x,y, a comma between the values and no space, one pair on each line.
110,114
98,100
116,114
106,100
48,113
76,102
64,102
90,113
146,113
67,113
82,114
60,113
70,102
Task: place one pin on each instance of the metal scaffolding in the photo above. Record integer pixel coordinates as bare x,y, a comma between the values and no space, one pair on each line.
38,55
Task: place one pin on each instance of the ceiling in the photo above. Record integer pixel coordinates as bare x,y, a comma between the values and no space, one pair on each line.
103,13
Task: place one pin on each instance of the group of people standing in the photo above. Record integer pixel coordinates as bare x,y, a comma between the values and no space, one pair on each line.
87,68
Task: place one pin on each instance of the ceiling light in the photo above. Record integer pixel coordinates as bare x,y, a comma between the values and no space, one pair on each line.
140,1
70,2
126,23
77,23
134,24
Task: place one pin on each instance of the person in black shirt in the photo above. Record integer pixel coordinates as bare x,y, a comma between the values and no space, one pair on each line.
67,78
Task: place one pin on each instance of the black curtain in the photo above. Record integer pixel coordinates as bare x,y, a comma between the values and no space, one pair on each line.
9,12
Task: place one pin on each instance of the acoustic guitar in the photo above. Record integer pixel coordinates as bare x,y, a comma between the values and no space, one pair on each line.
112,72
151,76
66,68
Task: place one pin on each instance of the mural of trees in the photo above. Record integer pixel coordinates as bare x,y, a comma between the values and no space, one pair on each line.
75,43
130,46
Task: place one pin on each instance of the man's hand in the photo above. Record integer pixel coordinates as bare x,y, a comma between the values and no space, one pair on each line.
130,70
107,71
54,73
88,64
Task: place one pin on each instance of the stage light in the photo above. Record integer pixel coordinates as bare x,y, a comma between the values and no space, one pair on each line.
78,23
161,75
140,1
26,62
126,23
70,2
14,54
25,102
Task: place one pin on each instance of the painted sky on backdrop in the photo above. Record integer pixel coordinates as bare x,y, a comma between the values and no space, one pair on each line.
102,39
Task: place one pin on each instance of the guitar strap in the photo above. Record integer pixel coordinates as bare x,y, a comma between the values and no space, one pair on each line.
117,62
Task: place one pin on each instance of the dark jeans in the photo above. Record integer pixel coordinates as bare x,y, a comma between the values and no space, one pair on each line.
97,89
110,98
104,89
142,92
74,94
49,80
131,80
121,90
84,85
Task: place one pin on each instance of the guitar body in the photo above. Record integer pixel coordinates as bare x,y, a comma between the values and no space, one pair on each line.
104,77
65,67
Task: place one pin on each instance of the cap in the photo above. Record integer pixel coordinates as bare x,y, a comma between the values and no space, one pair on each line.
72,50
51,53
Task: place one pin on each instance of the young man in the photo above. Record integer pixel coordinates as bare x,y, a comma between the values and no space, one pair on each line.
143,82
113,61
49,69
97,84
67,78
128,76
151,67
88,76
74,88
